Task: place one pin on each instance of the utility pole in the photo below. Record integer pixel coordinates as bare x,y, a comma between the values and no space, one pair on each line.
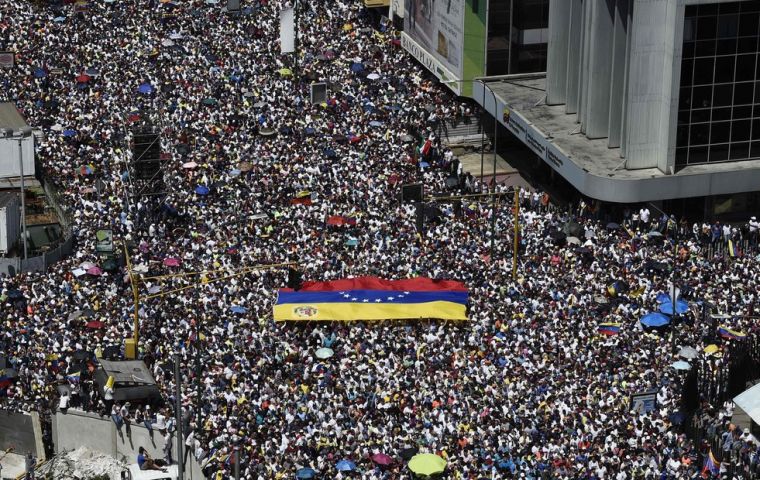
295,43
178,416
516,233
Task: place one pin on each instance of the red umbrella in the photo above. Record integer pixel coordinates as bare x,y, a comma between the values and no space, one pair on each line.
394,179
83,78
335,220
382,459
95,324
171,262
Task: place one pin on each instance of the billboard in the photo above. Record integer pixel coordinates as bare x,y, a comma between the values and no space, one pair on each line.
438,28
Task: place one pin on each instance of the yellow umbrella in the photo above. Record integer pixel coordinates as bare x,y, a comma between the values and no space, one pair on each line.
347,27
285,72
711,349
427,464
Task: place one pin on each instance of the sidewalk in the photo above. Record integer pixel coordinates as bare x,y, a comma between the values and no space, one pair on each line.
505,173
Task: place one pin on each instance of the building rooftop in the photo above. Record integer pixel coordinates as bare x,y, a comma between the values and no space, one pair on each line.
597,170
10,117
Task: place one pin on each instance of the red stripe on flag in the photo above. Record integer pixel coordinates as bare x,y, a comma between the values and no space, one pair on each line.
419,284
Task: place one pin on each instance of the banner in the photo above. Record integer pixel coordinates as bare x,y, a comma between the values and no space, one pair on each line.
438,27
287,31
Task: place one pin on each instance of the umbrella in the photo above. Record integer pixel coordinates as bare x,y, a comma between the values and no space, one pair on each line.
201,190
238,309
352,242
74,315
167,43
324,352
681,365
667,307
408,453
424,164
427,464
93,72
69,132
613,226
176,36
210,101
86,265
95,324
677,418
285,72
654,233
654,320
573,241
59,19
189,165
382,459
373,76
145,88
95,271
688,352
375,123
154,289
345,466
78,272
267,132
83,78
258,104
40,73
172,262
305,473
407,138
234,172
110,265
711,349
357,67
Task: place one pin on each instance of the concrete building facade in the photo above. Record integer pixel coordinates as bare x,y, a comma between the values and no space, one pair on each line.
642,99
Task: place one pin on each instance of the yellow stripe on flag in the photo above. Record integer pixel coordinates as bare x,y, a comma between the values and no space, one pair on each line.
370,311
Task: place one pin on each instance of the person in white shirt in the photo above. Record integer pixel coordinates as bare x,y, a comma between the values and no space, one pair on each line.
644,215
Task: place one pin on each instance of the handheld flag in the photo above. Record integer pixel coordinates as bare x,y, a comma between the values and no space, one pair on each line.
712,465
608,329
729,334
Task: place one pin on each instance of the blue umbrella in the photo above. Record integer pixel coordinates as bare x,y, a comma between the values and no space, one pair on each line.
93,72
201,190
424,164
667,307
305,473
40,73
69,132
357,67
234,172
330,153
238,309
654,320
59,19
145,88
309,131
663,297
375,123
352,242
345,466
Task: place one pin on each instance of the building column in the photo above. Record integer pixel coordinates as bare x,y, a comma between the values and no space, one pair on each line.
557,54
617,96
574,45
601,28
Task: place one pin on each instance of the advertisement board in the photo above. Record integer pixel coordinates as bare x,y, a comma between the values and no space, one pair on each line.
438,28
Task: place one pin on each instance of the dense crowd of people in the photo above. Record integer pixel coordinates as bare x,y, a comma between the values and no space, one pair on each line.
526,388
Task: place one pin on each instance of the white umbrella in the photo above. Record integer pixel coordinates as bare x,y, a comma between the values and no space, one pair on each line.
78,272
167,43
324,352
189,165
688,352
373,76
57,127
573,241
86,265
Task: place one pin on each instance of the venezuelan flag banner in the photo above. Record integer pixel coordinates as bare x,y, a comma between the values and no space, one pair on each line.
712,465
608,328
726,332
372,298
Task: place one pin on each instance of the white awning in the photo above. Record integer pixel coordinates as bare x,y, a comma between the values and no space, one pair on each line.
749,401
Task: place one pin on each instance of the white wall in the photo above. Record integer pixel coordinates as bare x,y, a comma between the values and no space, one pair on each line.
9,166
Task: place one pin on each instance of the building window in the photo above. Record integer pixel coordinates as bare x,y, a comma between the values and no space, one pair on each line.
719,103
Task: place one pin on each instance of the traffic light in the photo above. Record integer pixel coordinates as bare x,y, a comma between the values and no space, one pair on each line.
294,279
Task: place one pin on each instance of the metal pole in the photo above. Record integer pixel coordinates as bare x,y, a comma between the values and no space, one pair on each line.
516,234
509,52
237,462
136,298
495,144
675,264
482,133
23,194
295,42
198,387
178,415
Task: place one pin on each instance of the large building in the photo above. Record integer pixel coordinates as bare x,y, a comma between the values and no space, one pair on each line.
644,100
462,40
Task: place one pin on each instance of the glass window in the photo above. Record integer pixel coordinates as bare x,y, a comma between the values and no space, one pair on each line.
728,26
739,151
724,69
721,132
719,153
707,27
719,103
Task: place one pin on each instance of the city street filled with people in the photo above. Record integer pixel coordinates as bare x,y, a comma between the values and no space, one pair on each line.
537,383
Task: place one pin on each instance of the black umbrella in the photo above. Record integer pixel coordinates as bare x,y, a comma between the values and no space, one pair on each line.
15,294
558,236
88,312
408,453
81,355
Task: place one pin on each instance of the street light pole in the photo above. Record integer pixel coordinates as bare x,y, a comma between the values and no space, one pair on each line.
25,132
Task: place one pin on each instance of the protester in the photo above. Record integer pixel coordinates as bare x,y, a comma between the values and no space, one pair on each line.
527,387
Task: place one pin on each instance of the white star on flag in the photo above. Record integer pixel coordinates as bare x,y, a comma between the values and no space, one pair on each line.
390,298
366,300
378,300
